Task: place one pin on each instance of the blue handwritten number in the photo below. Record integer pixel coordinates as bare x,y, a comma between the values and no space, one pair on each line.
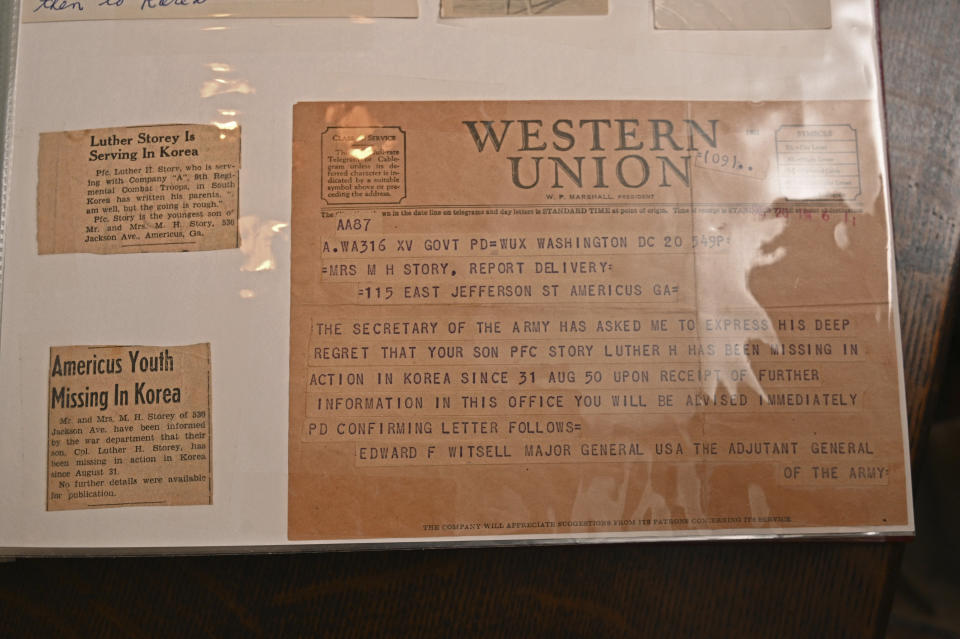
59,5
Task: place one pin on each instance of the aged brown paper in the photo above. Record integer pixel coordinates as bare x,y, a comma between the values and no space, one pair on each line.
62,10
713,15
139,189
129,426
565,318
494,8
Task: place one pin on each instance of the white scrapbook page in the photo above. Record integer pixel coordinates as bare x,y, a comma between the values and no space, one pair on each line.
301,282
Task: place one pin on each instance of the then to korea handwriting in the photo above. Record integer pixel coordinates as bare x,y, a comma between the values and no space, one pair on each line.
77,5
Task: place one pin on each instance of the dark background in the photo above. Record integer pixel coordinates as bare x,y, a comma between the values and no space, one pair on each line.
755,589
927,601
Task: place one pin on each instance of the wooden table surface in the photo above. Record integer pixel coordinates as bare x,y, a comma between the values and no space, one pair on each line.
768,589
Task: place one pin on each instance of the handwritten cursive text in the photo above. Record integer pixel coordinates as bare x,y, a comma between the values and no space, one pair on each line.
59,5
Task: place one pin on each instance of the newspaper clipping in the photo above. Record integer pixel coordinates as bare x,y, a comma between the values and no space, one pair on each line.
139,190
129,426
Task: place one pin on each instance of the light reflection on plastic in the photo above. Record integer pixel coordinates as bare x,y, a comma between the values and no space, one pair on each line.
257,243
362,154
213,29
723,283
602,498
219,86
219,67
229,126
652,505
841,235
759,508
246,293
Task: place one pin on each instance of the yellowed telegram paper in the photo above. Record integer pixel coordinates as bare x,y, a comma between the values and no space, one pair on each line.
712,15
129,426
141,189
495,8
566,318
62,10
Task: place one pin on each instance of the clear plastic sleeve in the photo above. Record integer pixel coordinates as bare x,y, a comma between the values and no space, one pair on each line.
288,283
